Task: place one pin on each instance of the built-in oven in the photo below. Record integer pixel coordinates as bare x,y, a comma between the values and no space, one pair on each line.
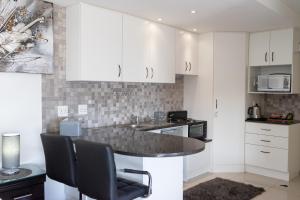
198,129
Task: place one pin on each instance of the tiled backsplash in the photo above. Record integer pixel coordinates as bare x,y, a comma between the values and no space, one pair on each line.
282,104
108,102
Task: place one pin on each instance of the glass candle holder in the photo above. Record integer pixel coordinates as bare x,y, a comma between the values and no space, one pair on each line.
10,153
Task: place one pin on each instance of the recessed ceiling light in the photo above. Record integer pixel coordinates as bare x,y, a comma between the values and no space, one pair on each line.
159,19
193,11
194,29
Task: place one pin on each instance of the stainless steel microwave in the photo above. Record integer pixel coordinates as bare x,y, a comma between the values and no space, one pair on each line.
274,83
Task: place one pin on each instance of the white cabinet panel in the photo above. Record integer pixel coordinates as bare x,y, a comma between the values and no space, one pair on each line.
266,140
102,46
266,157
136,52
259,49
229,93
162,47
281,47
194,60
197,164
100,43
186,53
267,129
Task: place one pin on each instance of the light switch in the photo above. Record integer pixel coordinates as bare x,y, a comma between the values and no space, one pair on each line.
82,109
62,111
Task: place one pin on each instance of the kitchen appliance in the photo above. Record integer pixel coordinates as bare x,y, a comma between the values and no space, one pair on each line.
70,127
274,83
196,128
254,112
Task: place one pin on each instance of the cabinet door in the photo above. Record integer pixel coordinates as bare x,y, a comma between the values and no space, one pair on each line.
186,53
136,54
182,51
193,62
266,157
281,47
229,92
162,46
101,44
259,49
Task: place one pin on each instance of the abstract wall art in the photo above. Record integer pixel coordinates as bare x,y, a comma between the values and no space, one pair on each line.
26,36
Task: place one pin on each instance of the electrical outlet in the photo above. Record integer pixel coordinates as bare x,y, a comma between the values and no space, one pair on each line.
62,111
82,109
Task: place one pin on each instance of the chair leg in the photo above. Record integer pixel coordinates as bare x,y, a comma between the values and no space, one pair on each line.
80,196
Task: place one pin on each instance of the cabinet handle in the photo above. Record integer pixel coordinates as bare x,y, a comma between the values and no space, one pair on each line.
266,57
147,72
265,140
272,56
266,152
216,103
190,66
152,73
264,129
120,71
21,197
186,66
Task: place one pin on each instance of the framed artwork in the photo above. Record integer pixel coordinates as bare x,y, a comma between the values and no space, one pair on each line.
26,36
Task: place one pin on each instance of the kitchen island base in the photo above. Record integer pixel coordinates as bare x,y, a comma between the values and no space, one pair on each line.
166,172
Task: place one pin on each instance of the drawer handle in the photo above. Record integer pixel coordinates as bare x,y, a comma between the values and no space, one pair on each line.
265,129
21,197
266,152
265,140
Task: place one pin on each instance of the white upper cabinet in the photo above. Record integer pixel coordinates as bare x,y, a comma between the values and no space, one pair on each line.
162,49
271,48
104,45
148,51
136,51
186,53
94,44
259,49
281,47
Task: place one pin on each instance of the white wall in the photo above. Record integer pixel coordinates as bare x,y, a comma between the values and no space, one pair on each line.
21,111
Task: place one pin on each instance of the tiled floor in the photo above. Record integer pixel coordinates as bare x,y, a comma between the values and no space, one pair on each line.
274,190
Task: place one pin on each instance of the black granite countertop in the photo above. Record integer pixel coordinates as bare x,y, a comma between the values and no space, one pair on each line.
128,141
267,121
152,125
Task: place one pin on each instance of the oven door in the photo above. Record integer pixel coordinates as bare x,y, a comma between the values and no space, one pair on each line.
197,131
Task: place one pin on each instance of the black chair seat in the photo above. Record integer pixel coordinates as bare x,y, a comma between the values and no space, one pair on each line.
130,190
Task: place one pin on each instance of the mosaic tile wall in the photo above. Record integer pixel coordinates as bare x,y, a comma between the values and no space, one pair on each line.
282,104
108,103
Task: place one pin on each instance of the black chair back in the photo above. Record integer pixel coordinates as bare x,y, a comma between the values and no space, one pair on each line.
96,170
60,158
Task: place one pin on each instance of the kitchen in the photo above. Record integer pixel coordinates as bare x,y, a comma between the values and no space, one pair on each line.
204,85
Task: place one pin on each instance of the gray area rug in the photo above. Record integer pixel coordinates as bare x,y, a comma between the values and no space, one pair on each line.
222,189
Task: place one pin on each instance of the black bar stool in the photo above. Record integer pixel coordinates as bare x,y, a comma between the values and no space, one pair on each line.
60,159
97,174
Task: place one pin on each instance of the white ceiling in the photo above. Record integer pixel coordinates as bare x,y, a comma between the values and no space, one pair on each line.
212,15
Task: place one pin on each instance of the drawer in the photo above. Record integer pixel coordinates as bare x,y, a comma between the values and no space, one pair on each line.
266,157
267,129
267,140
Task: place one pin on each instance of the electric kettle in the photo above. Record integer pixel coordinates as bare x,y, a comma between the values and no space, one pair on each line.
254,112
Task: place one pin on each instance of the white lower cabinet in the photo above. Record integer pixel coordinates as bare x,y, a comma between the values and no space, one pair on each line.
197,164
193,165
267,157
273,150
